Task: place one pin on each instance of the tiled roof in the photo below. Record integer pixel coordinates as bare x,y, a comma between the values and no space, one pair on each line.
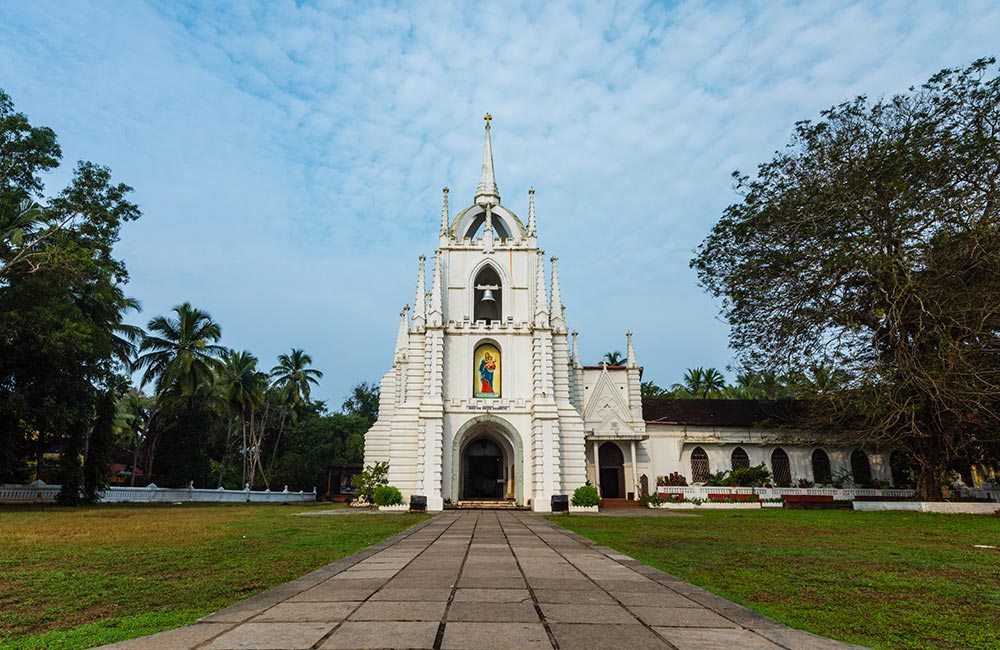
721,412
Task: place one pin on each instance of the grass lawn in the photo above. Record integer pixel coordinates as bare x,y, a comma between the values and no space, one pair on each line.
880,579
75,578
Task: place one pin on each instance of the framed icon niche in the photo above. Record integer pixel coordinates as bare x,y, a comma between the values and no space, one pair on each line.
486,371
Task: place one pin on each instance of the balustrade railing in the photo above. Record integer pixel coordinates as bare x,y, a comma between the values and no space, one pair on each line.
42,493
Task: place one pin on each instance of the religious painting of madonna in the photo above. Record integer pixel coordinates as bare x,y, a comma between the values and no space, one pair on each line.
486,371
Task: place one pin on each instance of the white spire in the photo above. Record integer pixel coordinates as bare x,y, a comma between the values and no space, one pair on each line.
487,193
540,289
420,302
576,351
631,351
445,218
402,337
556,310
436,312
531,213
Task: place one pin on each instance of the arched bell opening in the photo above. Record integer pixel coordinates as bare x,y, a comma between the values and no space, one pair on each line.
611,465
500,229
488,297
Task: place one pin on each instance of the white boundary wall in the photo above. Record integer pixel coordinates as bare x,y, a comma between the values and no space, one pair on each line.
39,492
948,508
847,494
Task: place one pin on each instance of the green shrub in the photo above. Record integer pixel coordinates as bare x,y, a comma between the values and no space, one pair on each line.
586,495
370,479
755,476
387,495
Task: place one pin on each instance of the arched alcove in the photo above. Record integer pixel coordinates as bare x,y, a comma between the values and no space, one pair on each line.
861,468
822,474
739,458
488,295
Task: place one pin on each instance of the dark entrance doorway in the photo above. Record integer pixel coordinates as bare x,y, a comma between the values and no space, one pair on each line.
482,470
612,471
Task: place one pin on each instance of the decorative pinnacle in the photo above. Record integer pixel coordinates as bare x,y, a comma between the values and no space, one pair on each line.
445,218
420,302
531,212
487,117
631,350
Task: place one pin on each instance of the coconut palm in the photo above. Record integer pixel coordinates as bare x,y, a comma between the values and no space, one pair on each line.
293,380
242,389
701,383
614,358
180,353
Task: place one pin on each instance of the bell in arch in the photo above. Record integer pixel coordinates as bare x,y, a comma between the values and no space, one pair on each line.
488,296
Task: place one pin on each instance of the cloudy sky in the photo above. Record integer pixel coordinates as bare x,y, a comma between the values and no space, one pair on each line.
289,157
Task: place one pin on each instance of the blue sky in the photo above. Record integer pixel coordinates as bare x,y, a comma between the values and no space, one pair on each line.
289,157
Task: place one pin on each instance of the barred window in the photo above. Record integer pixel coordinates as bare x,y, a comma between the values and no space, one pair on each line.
739,458
860,467
821,467
699,465
781,468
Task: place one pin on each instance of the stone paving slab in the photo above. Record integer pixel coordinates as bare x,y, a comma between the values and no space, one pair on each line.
484,580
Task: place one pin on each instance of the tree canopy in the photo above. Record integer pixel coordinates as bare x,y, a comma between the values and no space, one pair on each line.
871,245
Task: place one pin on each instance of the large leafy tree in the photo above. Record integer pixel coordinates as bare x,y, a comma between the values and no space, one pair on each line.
872,244
62,308
363,402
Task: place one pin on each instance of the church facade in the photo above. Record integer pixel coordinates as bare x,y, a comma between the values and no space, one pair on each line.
487,398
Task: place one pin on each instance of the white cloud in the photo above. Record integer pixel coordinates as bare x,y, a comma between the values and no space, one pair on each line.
289,159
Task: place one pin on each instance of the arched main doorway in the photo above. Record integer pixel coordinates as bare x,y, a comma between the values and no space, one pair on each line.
612,471
486,461
483,470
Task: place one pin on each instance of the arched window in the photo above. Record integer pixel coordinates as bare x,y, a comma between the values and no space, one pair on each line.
699,465
821,467
860,468
781,468
488,295
739,458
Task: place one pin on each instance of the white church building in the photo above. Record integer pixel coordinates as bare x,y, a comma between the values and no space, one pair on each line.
487,398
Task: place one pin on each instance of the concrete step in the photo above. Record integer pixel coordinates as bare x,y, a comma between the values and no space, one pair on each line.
619,503
487,504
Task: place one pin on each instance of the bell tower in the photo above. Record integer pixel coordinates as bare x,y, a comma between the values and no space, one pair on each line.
482,401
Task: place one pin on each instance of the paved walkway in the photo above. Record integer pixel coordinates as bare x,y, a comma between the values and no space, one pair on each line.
480,580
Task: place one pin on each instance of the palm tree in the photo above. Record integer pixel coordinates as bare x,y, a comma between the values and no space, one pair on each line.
701,383
180,353
180,356
292,378
131,418
614,358
242,389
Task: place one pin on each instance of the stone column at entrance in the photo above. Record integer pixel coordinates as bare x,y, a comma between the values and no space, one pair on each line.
597,468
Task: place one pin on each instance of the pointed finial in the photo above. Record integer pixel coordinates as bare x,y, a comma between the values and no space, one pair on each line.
420,302
556,310
540,301
576,350
402,337
445,217
631,351
488,231
487,193
436,312
531,213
